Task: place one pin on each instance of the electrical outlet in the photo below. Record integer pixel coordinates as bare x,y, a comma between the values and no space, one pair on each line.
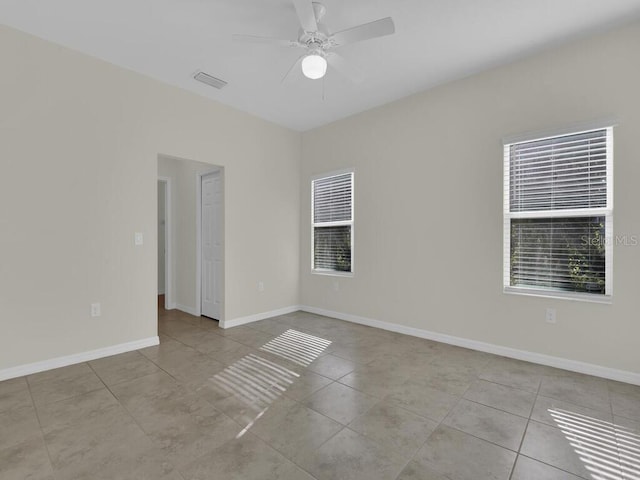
261,286
551,315
95,309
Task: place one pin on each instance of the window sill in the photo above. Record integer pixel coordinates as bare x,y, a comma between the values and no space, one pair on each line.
332,273
579,297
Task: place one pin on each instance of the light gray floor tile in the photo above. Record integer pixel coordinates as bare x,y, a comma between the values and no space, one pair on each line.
454,379
247,410
578,389
332,367
340,402
91,441
231,356
290,471
18,425
217,344
137,460
376,380
252,338
157,401
549,410
460,456
124,367
305,385
513,373
166,345
190,437
551,446
508,399
194,337
177,358
357,354
208,403
148,387
77,409
419,471
448,355
59,373
26,460
204,369
529,469
294,429
394,427
62,387
627,425
245,458
14,393
351,456
425,401
496,426
626,403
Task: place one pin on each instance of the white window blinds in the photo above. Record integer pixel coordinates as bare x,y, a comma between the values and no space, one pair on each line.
332,198
558,213
332,222
559,173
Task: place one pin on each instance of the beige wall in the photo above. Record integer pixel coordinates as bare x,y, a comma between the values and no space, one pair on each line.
79,143
428,203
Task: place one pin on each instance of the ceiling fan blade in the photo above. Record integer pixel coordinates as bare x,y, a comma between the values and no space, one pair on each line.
292,68
379,28
265,40
344,67
306,15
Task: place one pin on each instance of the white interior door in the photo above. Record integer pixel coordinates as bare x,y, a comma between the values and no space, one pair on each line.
211,230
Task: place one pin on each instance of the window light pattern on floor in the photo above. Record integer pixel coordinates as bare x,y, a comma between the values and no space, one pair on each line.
256,382
608,451
297,347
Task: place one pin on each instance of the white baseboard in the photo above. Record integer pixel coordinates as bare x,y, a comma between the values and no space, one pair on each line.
236,322
58,362
190,310
551,361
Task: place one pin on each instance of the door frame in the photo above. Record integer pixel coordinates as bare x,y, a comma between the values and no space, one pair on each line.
169,302
199,176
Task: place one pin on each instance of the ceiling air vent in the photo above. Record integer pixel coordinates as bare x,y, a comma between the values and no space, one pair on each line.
209,80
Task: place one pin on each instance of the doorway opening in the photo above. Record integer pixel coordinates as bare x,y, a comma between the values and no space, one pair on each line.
191,244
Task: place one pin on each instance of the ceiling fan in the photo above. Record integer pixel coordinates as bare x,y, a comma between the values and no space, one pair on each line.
318,43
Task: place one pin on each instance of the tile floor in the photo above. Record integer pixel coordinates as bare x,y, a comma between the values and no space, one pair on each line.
302,397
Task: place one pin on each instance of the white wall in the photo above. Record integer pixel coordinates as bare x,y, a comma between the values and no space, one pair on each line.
428,203
79,143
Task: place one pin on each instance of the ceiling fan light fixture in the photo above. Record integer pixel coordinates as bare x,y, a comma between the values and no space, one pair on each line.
314,66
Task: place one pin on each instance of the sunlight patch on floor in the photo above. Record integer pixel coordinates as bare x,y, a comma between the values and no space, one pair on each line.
297,347
608,451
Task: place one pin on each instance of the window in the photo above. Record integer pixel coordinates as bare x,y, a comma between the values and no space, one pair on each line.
332,223
558,215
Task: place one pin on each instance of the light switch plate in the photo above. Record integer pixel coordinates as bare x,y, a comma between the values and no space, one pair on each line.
139,240
550,316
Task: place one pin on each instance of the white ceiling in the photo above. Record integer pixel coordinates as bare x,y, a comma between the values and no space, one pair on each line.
436,41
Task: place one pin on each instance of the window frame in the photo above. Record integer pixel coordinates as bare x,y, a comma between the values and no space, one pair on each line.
606,212
350,223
